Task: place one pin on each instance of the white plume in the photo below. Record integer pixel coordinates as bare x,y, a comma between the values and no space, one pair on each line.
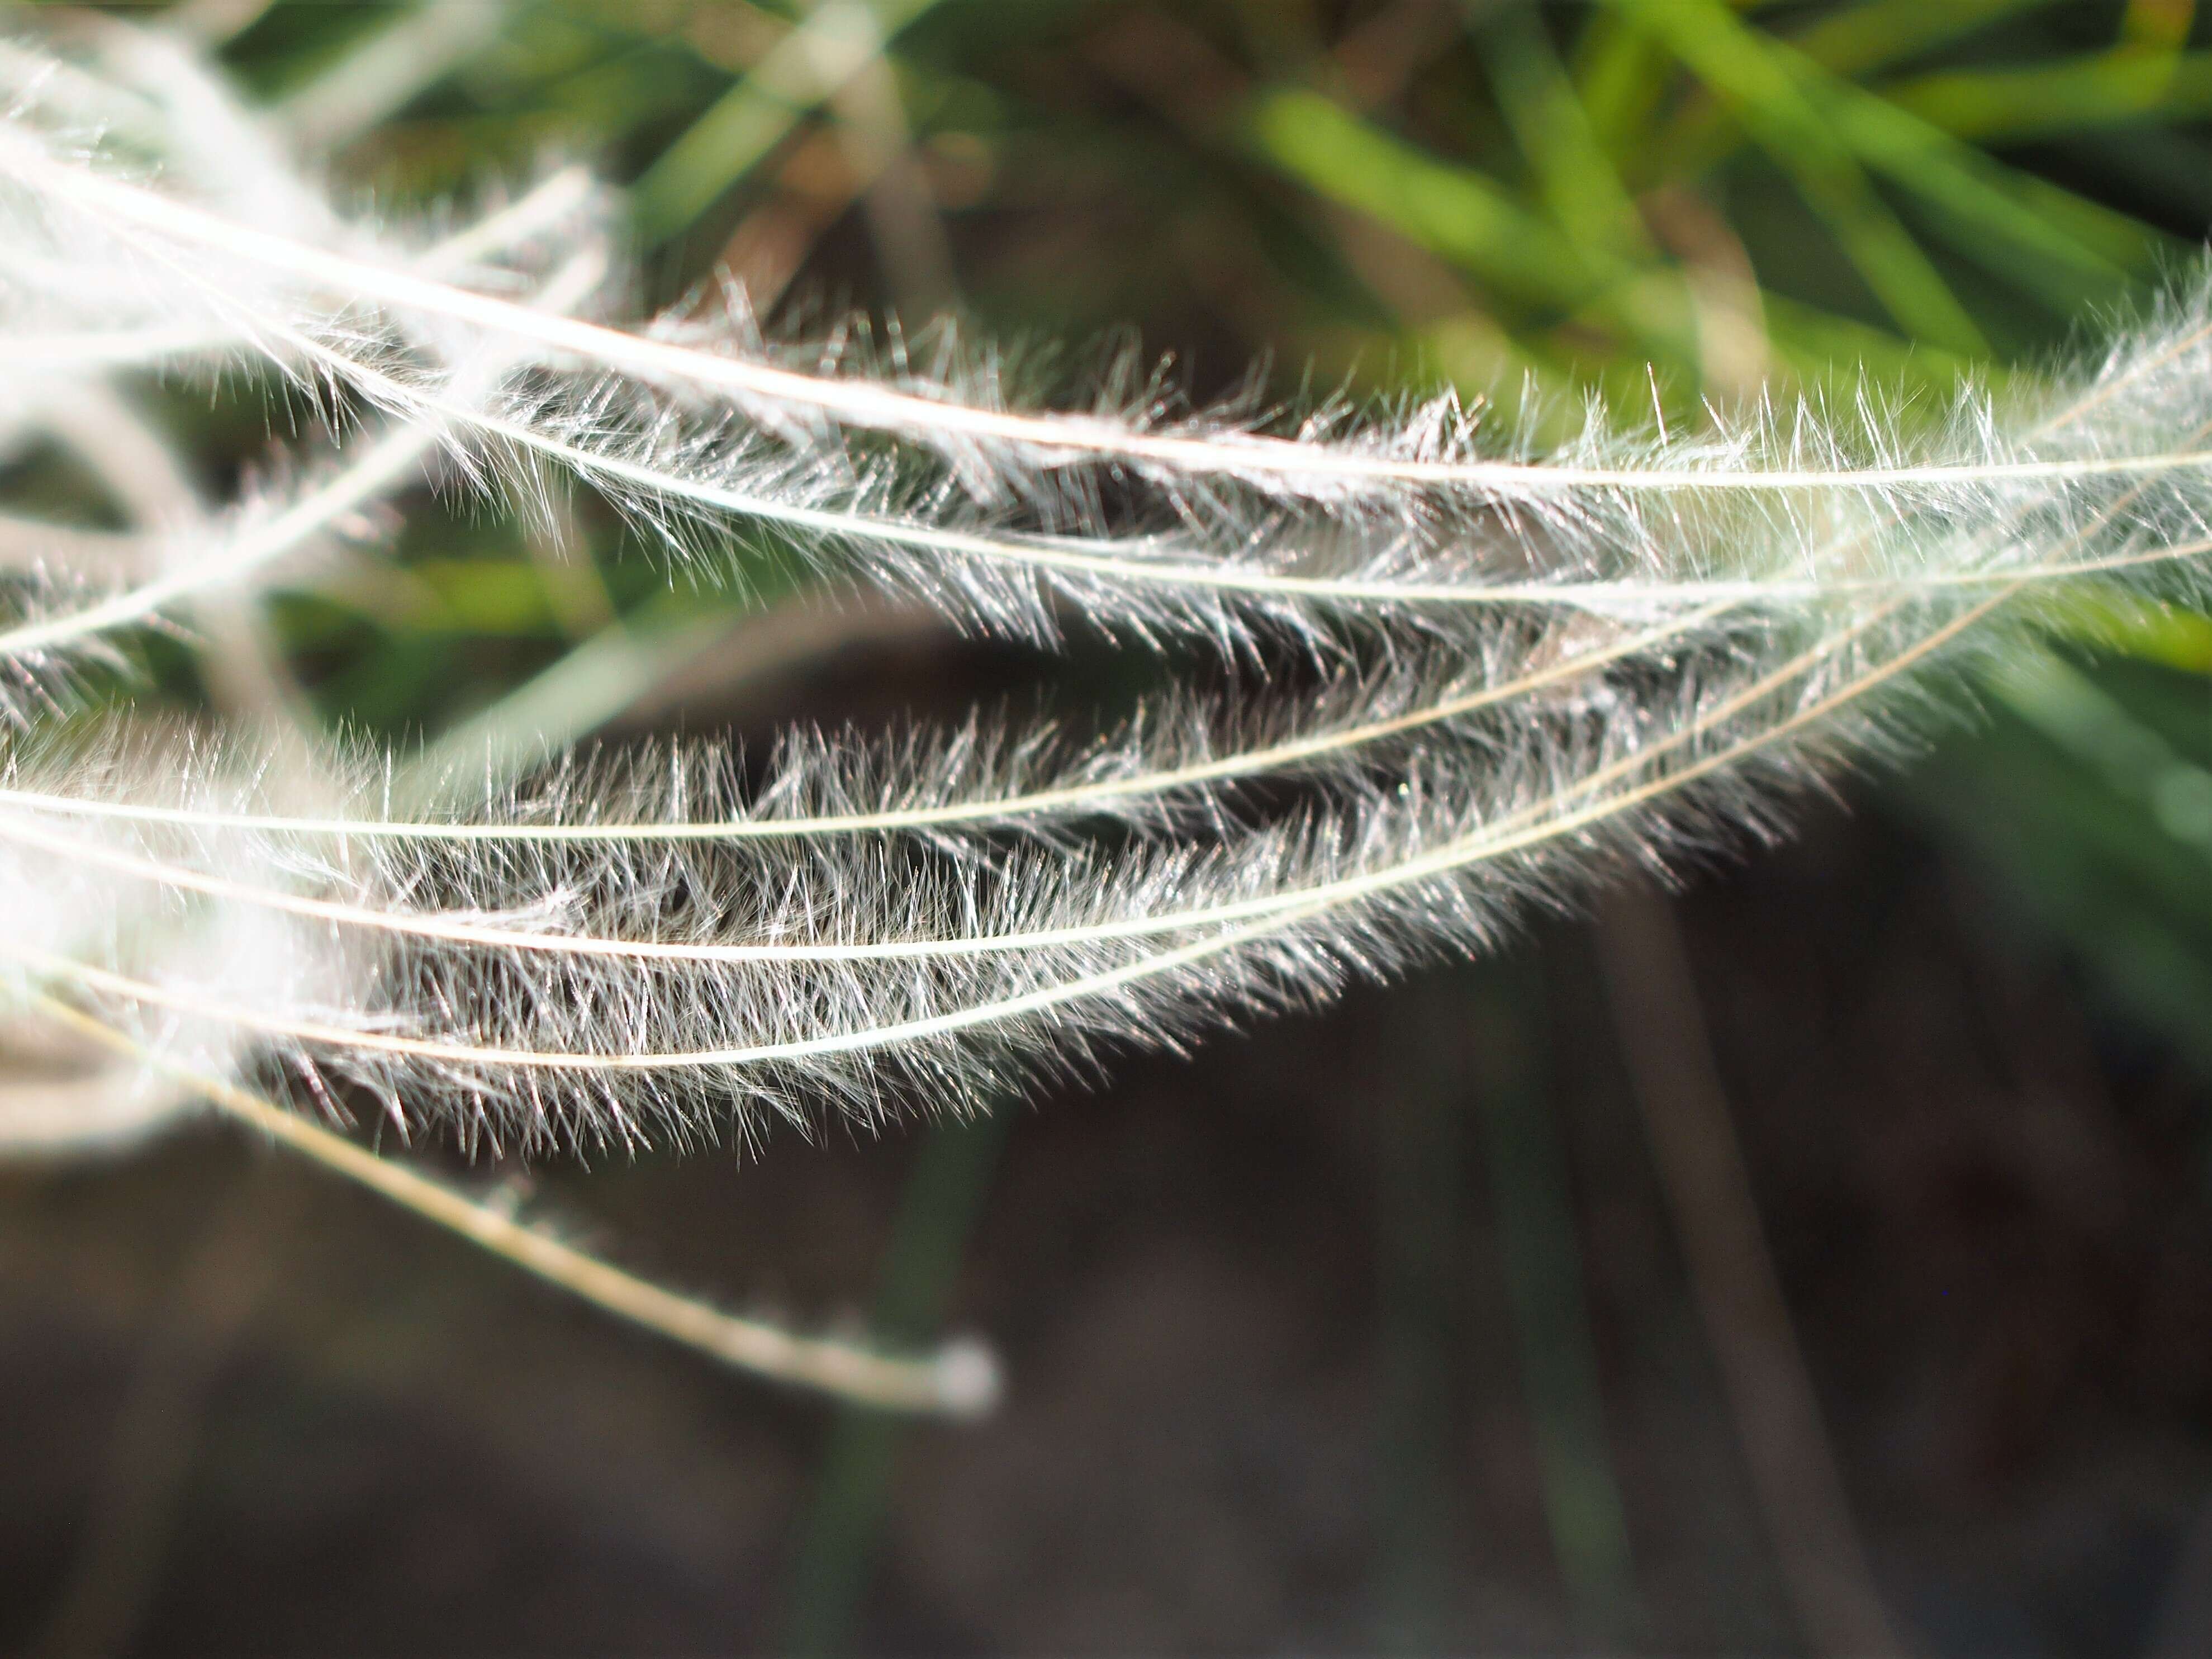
1505,673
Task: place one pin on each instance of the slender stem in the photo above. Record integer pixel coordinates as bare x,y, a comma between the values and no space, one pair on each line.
1307,465
958,1380
1068,799
1151,562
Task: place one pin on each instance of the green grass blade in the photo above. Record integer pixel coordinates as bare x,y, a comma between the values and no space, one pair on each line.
757,113
1450,210
2041,100
2035,234
945,1193
1620,76
1421,1251
1580,186
1471,222
1859,40
1466,218
1540,1256
1741,67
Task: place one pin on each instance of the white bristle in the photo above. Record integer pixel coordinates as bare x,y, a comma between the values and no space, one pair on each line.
1525,668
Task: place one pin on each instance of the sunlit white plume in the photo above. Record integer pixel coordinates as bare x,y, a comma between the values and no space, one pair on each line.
1475,675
